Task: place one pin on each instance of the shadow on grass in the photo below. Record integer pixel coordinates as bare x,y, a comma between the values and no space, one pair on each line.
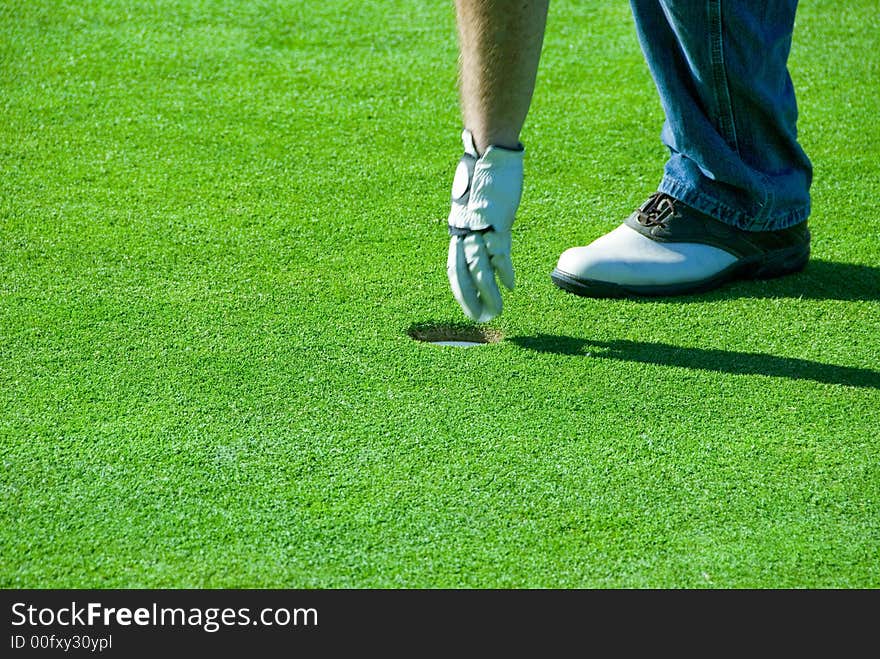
820,280
722,361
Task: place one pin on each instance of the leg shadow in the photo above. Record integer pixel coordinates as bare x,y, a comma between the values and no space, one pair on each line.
722,361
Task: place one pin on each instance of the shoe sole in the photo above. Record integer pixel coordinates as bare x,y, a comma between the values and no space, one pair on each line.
765,266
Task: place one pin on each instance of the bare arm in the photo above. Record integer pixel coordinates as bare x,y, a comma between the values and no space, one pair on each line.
500,45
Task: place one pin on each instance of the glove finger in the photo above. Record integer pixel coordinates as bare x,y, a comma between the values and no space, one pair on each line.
483,276
460,281
498,247
504,268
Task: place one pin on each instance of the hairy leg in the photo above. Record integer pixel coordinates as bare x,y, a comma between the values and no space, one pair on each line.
500,45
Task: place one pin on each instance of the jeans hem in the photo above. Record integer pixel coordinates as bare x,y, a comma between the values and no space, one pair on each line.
713,207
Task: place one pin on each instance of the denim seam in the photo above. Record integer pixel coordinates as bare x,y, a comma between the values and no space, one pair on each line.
719,73
726,119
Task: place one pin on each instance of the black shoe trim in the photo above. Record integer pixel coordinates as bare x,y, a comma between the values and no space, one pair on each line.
665,219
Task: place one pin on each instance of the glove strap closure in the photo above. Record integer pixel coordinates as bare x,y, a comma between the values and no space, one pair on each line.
464,231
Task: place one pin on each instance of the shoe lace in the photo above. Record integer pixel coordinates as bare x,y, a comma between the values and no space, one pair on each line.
656,211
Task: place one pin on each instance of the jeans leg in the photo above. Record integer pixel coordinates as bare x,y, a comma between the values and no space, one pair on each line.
720,67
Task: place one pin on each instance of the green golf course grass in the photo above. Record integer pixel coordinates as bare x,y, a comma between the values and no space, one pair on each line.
220,222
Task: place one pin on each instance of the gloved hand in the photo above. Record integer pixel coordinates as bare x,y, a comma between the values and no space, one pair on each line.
486,193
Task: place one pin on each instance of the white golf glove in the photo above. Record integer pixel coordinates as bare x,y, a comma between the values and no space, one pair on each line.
486,193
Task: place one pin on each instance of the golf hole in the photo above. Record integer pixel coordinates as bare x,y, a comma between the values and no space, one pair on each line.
454,335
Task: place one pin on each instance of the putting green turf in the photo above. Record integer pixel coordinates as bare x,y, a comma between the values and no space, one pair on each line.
218,223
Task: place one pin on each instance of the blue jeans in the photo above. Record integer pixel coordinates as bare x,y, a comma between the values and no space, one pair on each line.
721,69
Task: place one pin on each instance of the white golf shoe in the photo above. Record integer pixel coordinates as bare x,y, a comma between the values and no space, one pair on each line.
668,248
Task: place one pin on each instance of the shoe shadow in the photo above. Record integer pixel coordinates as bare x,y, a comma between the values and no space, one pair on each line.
819,280
722,361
